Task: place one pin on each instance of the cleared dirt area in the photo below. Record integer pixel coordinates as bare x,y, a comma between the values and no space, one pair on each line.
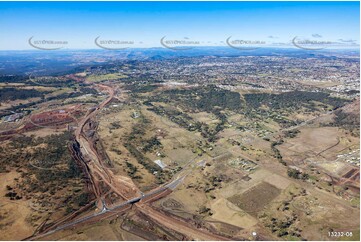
45,132
312,140
256,198
240,186
319,143
227,212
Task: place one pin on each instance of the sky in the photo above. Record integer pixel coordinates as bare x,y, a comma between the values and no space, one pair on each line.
144,24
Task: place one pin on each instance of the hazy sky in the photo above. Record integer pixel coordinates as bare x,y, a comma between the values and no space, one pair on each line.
79,23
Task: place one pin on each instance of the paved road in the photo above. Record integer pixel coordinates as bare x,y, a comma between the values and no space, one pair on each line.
114,209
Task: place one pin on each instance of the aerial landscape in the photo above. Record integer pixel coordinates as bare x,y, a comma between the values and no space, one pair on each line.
188,133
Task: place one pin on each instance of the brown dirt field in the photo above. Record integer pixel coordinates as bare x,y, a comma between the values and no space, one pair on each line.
334,167
321,84
318,143
312,140
256,198
239,186
13,214
227,212
278,181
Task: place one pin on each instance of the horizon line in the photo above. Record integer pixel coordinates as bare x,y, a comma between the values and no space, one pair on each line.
353,47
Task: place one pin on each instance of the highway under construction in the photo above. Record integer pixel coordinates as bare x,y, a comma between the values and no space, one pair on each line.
102,182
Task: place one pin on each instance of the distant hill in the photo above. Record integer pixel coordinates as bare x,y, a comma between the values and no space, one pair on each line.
156,57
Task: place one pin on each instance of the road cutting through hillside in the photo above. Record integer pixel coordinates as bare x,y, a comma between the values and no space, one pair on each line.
123,186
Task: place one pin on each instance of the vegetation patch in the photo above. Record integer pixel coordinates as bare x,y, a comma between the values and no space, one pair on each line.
10,94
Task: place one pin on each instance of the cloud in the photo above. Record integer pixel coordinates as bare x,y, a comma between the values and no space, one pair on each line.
272,37
280,43
317,36
347,40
